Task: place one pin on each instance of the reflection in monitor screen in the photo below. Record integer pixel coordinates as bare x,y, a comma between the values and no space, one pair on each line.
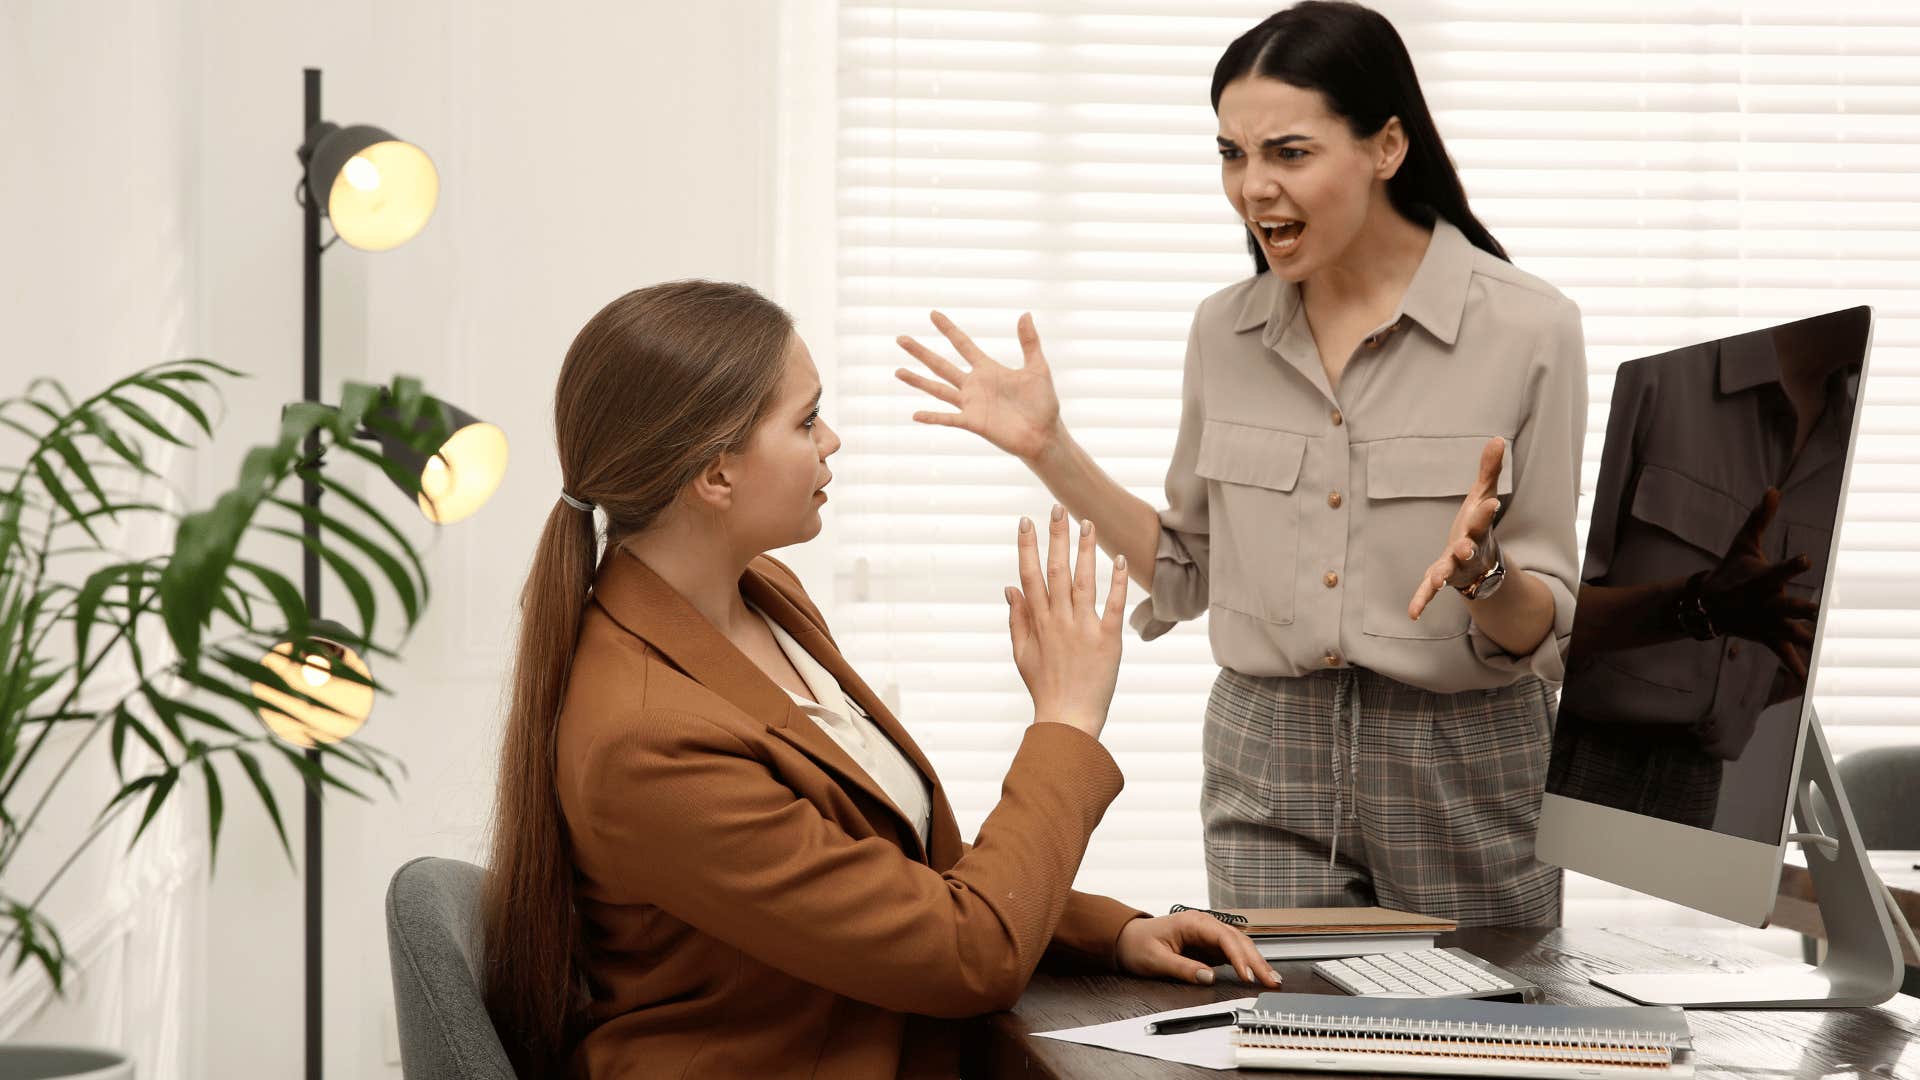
1713,525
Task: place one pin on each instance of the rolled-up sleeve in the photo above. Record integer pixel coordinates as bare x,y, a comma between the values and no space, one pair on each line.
1537,531
1179,589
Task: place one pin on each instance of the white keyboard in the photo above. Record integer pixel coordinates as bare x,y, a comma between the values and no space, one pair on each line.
1428,973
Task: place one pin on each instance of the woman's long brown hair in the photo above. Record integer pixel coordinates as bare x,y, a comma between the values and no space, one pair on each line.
655,386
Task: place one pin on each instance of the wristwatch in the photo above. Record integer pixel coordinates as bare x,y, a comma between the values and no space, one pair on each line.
1690,611
1488,582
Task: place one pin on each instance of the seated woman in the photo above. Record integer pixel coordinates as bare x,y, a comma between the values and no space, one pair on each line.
716,852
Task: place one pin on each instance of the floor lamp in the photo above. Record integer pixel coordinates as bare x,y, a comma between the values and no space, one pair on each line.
377,192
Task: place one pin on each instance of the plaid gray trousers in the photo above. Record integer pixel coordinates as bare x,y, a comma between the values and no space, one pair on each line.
1347,787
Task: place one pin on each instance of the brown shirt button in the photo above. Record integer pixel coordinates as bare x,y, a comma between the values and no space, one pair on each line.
1733,649
1338,419
1332,658
1333,499
1331,579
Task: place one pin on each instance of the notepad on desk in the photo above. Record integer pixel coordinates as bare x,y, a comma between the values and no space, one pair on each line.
1319,933
1452,1037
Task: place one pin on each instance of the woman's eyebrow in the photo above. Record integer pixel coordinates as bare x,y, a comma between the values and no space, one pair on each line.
1266,144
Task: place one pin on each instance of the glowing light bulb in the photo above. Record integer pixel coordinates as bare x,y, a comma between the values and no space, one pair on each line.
436,480
361,173
316,672
340,703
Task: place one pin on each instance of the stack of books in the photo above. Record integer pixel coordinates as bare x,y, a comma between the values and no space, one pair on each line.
1318,933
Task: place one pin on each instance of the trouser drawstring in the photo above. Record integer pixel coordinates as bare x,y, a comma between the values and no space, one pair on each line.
1346,705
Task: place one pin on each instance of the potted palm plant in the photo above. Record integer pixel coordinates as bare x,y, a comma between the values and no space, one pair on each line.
168,663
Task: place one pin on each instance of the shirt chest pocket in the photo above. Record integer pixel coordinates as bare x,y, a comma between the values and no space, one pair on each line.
1253,519
1415,485
1692,526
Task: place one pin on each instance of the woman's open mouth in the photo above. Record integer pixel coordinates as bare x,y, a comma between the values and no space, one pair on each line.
1279,235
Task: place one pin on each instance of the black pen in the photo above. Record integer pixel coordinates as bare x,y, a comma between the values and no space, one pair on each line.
1178,1024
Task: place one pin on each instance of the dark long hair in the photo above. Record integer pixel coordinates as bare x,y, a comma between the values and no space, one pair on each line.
1353,56
654,387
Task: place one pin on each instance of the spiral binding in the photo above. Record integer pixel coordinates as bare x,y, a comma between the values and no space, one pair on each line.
1451,1039
1227,917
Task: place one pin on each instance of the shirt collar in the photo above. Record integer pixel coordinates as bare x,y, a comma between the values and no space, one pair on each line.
1436,298
1747,361
825,689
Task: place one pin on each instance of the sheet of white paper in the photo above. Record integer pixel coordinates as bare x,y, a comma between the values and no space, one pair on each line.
1209,1048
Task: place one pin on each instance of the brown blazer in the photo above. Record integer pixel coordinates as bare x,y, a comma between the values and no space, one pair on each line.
753,905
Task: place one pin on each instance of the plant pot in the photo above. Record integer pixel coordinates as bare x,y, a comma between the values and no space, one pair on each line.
63,1063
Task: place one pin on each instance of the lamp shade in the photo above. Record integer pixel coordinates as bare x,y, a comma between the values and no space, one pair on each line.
377,190
314,672
463,474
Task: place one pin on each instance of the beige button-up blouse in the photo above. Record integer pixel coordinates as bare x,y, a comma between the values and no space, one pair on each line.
1301,518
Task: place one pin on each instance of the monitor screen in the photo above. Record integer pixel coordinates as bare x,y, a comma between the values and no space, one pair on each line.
1713,526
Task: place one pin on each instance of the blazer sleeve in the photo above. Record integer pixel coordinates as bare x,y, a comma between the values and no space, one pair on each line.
1089,932
714,839
1181,562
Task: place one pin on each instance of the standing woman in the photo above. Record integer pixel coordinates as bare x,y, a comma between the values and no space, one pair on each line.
1355,417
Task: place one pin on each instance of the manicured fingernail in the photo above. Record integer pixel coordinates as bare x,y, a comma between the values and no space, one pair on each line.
1120,563
1026,525
1205,975
1274,975
1008,593
1086,528
1059,512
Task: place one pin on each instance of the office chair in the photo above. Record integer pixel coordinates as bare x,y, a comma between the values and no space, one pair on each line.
433,946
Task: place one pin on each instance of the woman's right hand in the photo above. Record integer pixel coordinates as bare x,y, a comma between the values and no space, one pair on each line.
1015,409
1746,594
1067,650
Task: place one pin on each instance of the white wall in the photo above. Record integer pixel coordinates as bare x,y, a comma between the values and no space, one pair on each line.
100,177
149,173
584,149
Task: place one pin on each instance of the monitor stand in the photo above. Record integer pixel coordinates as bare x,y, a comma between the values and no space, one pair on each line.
1863,964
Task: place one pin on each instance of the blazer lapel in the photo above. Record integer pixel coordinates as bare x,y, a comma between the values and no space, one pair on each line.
646,606
769,596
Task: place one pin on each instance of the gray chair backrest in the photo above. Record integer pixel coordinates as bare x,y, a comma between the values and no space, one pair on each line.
1881,785
433,946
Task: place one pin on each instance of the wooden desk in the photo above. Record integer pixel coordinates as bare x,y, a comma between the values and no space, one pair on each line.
1796,909
1870,1044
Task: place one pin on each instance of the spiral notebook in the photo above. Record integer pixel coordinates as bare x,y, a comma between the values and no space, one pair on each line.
1452,1037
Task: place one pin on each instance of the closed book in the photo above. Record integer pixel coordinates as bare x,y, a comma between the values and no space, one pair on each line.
1326,946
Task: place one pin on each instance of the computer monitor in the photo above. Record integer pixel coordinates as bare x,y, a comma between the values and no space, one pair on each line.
1677,749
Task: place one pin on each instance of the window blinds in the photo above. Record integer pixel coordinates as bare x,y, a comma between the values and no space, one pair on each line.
1682,170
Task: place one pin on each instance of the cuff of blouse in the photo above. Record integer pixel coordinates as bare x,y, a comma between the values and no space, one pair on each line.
1548,660
1168,603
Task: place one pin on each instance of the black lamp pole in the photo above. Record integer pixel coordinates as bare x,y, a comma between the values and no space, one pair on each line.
310,494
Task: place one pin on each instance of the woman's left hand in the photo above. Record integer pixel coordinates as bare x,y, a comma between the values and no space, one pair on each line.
1470,527
1154,948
